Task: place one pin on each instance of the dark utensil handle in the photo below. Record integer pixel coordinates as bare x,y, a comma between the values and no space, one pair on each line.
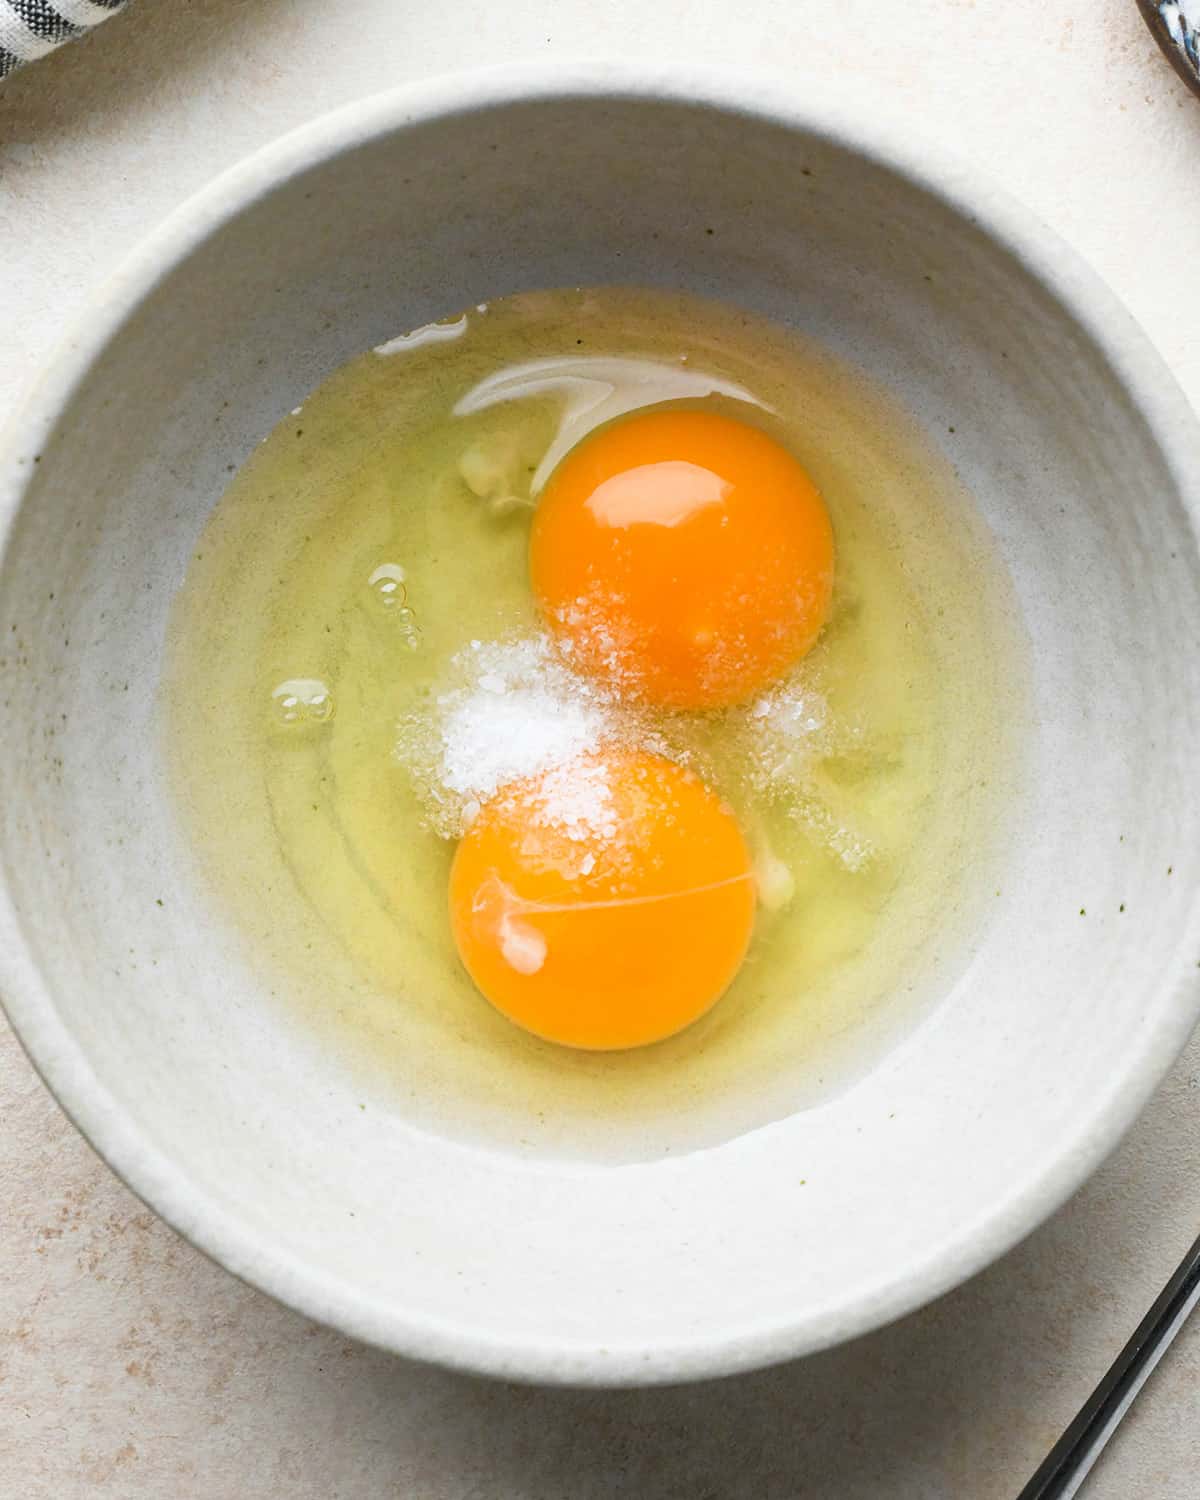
1069,1461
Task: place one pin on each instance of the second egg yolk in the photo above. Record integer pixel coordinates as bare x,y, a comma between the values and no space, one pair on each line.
683,557
605,904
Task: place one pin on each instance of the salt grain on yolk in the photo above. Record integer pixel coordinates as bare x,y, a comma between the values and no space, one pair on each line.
605,904
683,557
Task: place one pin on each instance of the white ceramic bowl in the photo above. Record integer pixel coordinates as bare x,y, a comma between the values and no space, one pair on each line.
1081,454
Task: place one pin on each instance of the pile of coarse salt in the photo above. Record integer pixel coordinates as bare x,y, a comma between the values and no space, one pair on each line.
575,799
511,710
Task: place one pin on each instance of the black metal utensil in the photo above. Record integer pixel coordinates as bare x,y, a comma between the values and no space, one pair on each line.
1070,1460
1178,37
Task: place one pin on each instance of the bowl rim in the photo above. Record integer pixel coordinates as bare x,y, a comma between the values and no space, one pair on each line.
1174,999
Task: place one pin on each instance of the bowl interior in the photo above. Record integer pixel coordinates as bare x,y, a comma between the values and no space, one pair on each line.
159,1040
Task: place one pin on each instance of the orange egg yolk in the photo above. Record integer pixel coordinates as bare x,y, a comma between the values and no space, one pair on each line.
605,904
683,557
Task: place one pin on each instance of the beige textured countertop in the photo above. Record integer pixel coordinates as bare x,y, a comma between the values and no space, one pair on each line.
132,1367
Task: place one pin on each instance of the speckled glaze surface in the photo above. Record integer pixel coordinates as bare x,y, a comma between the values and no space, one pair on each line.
1176,28
1083,983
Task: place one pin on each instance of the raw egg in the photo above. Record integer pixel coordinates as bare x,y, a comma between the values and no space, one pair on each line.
603,904
683,557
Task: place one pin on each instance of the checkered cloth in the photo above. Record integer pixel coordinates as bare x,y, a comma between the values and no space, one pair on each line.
31,28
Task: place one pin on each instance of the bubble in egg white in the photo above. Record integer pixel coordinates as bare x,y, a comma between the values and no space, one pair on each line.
301,703
388,589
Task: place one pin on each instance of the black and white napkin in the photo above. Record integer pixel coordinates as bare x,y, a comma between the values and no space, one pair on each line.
31,28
